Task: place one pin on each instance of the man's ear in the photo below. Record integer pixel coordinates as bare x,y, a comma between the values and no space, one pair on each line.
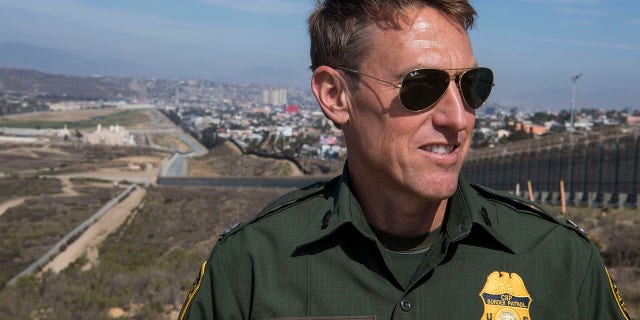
330,89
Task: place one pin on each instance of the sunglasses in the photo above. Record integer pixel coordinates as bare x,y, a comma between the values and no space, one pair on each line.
422,88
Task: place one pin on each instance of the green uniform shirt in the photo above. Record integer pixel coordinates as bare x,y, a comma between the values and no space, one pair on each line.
311,254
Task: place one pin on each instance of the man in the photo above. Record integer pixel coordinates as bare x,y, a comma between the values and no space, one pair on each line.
400,235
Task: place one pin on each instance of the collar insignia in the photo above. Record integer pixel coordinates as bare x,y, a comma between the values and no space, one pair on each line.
505,297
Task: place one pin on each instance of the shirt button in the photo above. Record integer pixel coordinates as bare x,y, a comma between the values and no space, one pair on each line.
406,305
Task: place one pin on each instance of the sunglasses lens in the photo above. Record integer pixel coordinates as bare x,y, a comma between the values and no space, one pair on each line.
422,88
476,86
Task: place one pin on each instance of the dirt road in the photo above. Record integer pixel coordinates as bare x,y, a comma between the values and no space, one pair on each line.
67,191
93,237
95,234
11,203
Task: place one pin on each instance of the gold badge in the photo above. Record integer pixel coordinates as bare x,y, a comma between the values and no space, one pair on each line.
505,297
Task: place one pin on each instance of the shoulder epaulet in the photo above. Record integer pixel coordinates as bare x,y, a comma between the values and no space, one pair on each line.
284,201
293,197
528,206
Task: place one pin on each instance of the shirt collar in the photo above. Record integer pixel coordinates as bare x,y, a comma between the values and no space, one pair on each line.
466,208
344,210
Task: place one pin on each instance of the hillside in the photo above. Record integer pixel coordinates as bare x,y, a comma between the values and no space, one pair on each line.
144,269
64,86
228,160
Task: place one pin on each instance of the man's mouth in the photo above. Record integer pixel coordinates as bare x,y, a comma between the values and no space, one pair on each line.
439,149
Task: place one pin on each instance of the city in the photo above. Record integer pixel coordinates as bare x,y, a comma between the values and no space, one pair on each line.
287,121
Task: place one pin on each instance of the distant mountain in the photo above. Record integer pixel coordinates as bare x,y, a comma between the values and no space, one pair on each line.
18,55
560,98
63,86
269,75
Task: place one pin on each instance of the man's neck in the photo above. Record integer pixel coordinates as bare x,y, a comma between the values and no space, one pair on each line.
397,212
400,219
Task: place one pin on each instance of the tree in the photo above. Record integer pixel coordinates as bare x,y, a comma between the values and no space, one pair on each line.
520,134
479,140
541,117
210,137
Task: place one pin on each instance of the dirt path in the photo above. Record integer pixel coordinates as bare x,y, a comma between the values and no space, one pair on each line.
67,188
92,237
11,203
67,191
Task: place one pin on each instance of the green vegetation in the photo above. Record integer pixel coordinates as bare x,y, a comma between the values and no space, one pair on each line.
11,187
32,124
68,158
123,118
27,231
228,160
147,266
84,180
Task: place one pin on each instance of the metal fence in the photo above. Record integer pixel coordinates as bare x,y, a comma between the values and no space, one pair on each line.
597,168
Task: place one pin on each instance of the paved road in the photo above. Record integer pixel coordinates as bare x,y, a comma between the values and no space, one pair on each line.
196,148
175,167
178,165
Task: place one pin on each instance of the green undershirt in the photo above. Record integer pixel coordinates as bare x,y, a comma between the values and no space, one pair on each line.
403,254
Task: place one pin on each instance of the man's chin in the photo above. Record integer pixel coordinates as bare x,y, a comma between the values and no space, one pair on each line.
439,189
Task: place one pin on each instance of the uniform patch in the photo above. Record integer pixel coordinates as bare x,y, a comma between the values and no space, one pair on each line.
505,297
193,291
618,296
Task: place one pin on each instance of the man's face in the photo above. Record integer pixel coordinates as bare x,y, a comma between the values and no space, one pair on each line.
401,152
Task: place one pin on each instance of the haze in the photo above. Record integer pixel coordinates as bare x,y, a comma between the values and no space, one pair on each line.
533,46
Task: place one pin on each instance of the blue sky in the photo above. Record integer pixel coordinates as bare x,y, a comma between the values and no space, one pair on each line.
534,46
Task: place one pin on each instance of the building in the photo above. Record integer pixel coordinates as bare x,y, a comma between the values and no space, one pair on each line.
115,136
529,127
274,97
292,109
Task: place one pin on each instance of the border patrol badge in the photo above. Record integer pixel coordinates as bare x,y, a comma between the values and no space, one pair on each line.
505,297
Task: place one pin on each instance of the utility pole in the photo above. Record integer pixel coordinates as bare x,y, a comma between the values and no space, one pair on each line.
574,79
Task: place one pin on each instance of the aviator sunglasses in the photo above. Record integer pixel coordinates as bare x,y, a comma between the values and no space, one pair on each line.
422,88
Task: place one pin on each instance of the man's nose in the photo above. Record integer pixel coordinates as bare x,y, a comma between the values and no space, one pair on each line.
451,110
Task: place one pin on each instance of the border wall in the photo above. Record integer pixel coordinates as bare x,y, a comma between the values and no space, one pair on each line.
597,168
70,237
